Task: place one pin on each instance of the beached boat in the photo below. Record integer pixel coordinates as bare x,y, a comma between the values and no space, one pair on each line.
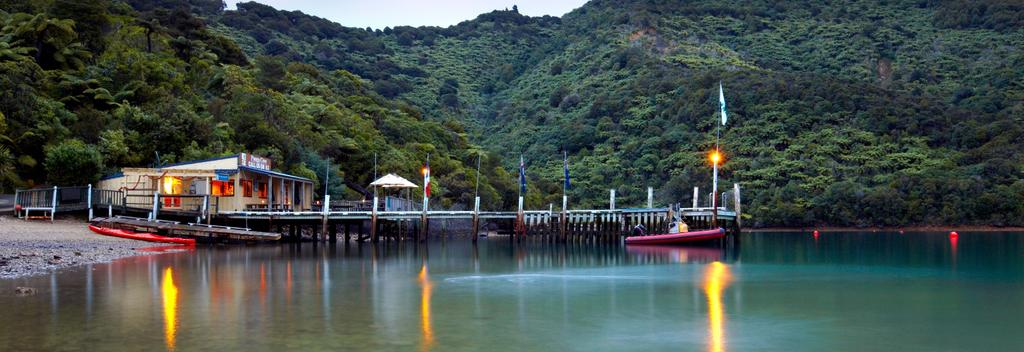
677,238
142,236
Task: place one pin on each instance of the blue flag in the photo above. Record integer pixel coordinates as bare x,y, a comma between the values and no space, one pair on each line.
565,167
522,176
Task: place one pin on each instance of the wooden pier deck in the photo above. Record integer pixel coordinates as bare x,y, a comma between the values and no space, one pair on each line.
201,232
206,222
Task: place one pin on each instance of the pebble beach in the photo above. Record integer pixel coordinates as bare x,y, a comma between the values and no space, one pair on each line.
36,247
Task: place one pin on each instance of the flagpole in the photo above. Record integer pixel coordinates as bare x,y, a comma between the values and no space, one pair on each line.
718,137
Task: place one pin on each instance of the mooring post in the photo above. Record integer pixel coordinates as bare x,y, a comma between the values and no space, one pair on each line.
156,204
564,218
650,197
203,213
374,237
110,211
520,227
736,199
89,201
326,212
611,202
696,192
423,218
476,218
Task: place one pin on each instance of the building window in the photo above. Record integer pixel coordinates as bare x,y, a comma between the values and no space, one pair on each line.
247,188
262,190
223,188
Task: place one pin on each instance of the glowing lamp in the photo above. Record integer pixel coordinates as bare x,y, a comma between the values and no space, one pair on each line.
715,157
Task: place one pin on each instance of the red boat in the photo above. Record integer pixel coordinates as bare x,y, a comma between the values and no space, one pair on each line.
676,238
141,236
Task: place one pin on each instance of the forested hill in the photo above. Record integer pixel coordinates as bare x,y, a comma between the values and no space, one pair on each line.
90,86
841,112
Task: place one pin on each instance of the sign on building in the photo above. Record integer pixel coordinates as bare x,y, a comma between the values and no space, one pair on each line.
255,162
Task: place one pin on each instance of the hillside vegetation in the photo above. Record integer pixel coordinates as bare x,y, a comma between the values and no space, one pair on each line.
841,112
89,87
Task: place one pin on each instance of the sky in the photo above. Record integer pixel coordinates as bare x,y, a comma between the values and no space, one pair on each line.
390,13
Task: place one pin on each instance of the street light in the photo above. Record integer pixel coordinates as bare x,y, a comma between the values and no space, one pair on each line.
716,158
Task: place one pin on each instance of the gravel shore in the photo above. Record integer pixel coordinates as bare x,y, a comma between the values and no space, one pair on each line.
38,246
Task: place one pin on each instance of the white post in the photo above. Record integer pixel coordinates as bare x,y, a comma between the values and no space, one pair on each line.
736,198
270,193
204,209
17,194
714,197
110,211
89,200
327,204
696,191
53,205
650,197
611,202
156,205
476,206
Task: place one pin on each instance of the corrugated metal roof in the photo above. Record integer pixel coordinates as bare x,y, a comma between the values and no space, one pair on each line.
274,174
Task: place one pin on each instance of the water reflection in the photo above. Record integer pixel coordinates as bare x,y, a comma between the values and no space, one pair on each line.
716,278
170,294
570,297
425,287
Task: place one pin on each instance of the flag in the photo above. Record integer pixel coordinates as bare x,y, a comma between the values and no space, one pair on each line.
522,176
721,100
565,167
426,179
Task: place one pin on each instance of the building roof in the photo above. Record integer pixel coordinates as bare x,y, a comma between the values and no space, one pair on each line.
225,172
275,174
235,156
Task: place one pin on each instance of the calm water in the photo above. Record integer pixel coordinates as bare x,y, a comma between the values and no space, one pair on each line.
778,291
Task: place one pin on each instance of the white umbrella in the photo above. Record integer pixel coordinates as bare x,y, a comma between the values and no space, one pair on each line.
393,181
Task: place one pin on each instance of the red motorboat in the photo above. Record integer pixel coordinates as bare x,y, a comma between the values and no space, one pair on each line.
677,238
141,236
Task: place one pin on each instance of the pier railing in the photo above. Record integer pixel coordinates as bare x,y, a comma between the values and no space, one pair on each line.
49,201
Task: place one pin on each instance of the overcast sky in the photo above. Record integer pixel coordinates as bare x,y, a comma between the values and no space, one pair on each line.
389,13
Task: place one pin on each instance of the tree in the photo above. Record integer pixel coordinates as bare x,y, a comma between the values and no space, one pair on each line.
150,26
73,163
8,174
271,72
46,34
90,18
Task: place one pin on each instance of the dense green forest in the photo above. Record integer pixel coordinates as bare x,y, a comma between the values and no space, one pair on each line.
841,112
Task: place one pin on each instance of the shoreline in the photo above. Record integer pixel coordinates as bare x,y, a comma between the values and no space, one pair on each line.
916,228
36,247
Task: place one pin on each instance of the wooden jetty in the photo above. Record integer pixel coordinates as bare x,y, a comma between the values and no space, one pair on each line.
201,232
207,223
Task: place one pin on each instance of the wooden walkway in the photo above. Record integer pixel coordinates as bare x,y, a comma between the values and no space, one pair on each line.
202,232
596,225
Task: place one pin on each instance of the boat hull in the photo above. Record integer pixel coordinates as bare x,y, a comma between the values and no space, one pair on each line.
148,237
677,238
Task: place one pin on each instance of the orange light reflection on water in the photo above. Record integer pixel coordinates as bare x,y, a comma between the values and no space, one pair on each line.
170,294
425,287
716,278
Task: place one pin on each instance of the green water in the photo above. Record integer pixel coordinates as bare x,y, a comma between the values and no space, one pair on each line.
777,291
